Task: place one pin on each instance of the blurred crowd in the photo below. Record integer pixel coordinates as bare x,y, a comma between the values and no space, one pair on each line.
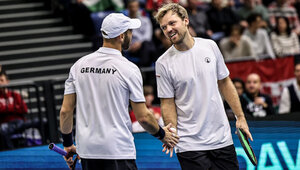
257,104
243,29
252,29
15,129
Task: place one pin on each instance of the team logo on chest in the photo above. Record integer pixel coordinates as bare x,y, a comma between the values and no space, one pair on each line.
207,59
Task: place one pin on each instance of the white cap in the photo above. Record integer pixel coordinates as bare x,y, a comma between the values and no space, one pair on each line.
116,23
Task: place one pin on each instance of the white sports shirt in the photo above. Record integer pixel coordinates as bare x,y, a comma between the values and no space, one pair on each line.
104,81
191,78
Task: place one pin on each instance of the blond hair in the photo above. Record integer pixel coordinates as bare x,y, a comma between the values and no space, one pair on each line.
174,7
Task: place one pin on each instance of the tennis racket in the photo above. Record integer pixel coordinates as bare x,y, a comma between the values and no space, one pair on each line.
246,146
62,152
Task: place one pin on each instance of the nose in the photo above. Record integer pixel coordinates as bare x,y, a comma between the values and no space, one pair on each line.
169,29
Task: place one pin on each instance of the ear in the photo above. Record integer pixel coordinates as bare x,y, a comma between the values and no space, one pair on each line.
186,21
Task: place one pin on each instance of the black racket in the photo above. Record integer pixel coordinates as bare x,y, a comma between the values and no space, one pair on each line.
246,146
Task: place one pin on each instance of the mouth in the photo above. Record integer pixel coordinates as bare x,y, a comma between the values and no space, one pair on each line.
172,35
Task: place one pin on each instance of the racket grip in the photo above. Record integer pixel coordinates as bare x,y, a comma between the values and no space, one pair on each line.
57,149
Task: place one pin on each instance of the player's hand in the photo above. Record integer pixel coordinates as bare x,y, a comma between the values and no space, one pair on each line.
170,139
71,150
242,124
168,149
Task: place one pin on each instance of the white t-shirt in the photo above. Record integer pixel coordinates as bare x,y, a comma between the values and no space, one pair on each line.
190,77
104,81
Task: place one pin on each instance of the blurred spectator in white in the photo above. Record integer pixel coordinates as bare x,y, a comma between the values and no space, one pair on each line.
260,38
236,45
284,41
290,97
253,102
220,19
250,7
149,97
199,26
284,8
142,47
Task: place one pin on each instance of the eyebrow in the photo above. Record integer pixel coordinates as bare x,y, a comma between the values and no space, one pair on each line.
167,23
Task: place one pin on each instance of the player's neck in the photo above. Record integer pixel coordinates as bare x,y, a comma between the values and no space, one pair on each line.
186,44
114,46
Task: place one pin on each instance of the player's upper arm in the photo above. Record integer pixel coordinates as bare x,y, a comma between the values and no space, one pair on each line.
70,82
223,81
165,87
69,103
135,86
139,109
222,71
167,101
168,105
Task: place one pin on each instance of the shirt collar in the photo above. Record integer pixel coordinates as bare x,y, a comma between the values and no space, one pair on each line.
109,51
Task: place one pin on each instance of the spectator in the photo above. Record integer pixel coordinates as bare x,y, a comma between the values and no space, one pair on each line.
239,85
253,102
236,45
284,41
220,19
12,106
77,13
142,47
290,98
250,7
297,6
103,5
259,36
240,88
153,5
283,8
149,96
12,112
198,20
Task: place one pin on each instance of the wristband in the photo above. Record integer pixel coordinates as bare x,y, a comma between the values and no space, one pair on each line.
67,139
160,134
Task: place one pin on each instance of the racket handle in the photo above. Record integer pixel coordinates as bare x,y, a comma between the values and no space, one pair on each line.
57,149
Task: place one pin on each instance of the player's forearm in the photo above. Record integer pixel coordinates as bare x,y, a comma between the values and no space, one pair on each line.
170,117
66,121
231,96
169,113
148,122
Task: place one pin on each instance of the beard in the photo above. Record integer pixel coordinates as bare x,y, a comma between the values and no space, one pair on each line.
126,43
181,38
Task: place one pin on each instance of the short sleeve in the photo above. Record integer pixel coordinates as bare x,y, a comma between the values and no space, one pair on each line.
222,71
165,88
70,83
135,86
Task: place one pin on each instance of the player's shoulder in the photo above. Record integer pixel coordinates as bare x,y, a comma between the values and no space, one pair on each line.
166,55
130,65
82,59
204,41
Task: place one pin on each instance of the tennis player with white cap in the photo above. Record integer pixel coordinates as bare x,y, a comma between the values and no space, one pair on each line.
101,85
